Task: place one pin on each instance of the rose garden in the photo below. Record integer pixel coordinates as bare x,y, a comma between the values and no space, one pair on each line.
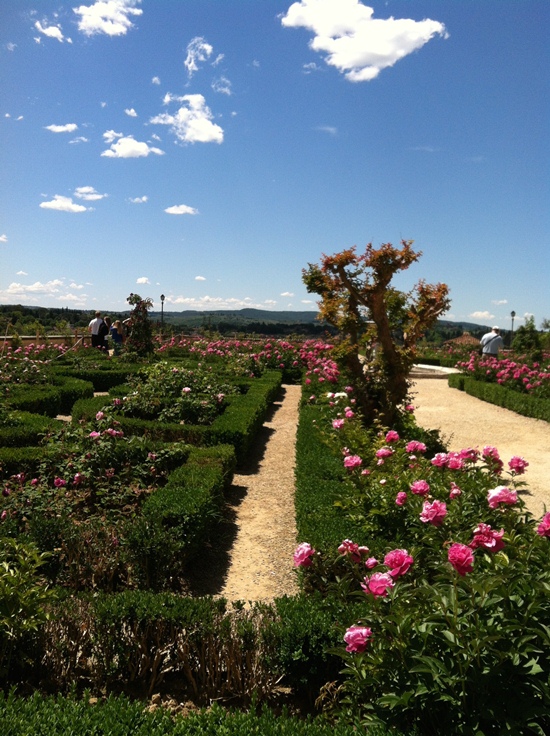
424,580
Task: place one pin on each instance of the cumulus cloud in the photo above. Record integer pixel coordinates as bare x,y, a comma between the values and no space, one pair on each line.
200,278
63,204
89,194
287,293
50,31
131,112
3,238
270,302
498,302
181,209
79,139
48,288
139,200
128,147
112,17
143,280
198,51
222,85
192,122
73,285
67,128
78,300
351,40
211,302
482,315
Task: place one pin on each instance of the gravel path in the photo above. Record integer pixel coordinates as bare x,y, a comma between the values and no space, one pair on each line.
465,421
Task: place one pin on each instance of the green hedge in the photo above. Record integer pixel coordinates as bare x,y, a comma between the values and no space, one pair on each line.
102,378
527,406
176,519
237,426
28,429
52,400
21,460
119,716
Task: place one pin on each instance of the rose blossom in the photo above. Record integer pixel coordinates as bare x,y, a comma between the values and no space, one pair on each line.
420,487
371,562
353,550
440,460
461,558
399,560
59,482
455,491
357,638
378,584
414,446
401,498
352,461
488,538
348,413
543,528
384,452
99,415
337,423
303,555
501,494
94,435
433,513
517,465
392,436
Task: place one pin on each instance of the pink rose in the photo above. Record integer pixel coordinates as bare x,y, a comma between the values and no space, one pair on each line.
59,482
543,528
371,562
414,446
99,415
501,494
454,461
352,461
517,465
433,513
348,413
455,491
420,487
440,460
392,436
487,538
303,555
94,435
357,638
338,423
401,498
378,584
384,452
399,560
461,558
353,550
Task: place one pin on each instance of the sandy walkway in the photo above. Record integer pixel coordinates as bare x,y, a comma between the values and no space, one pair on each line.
261,558
469,422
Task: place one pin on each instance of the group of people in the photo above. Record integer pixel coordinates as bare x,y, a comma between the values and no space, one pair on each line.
102,328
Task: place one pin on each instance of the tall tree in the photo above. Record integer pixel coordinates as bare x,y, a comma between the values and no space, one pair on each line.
379,325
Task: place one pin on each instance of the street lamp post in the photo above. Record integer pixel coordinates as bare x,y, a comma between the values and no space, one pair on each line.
162,298
512,315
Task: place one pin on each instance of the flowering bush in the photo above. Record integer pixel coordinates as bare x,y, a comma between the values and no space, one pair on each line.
455,631
531,378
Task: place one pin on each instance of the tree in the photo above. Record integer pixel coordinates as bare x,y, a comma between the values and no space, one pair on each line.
371,315
527,340
140,338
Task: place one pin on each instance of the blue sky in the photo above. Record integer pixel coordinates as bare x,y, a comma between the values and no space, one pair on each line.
210,149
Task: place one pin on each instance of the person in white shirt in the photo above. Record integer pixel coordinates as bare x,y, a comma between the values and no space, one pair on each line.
98,339
491,342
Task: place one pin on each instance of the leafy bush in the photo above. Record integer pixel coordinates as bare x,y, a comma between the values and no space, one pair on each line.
527,406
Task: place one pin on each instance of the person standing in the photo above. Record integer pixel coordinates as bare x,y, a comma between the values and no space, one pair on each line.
96,330
491,343
117,333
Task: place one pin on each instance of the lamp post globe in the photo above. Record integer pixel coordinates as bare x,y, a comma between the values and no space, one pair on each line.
162,298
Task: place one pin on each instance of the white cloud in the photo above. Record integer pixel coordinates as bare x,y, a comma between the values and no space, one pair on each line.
181,209
198,50
111,17
11,46
211,302
331,130
355,43
482,315
287,293
63,204
200,278
22,273
155,80
306,301
270,302
222,85
79,139
311,67
498,302
88,193
192,122
76,286
50,31
128,147
131,112
49,288
139,200
111,135
143,280
76,299
3,238
67,128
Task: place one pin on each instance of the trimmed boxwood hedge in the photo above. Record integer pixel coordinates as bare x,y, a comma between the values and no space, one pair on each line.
494,393
28,429
57,398
102,378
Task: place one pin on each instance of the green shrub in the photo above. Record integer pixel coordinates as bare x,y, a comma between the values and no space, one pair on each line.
25,429
49,400
493,393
